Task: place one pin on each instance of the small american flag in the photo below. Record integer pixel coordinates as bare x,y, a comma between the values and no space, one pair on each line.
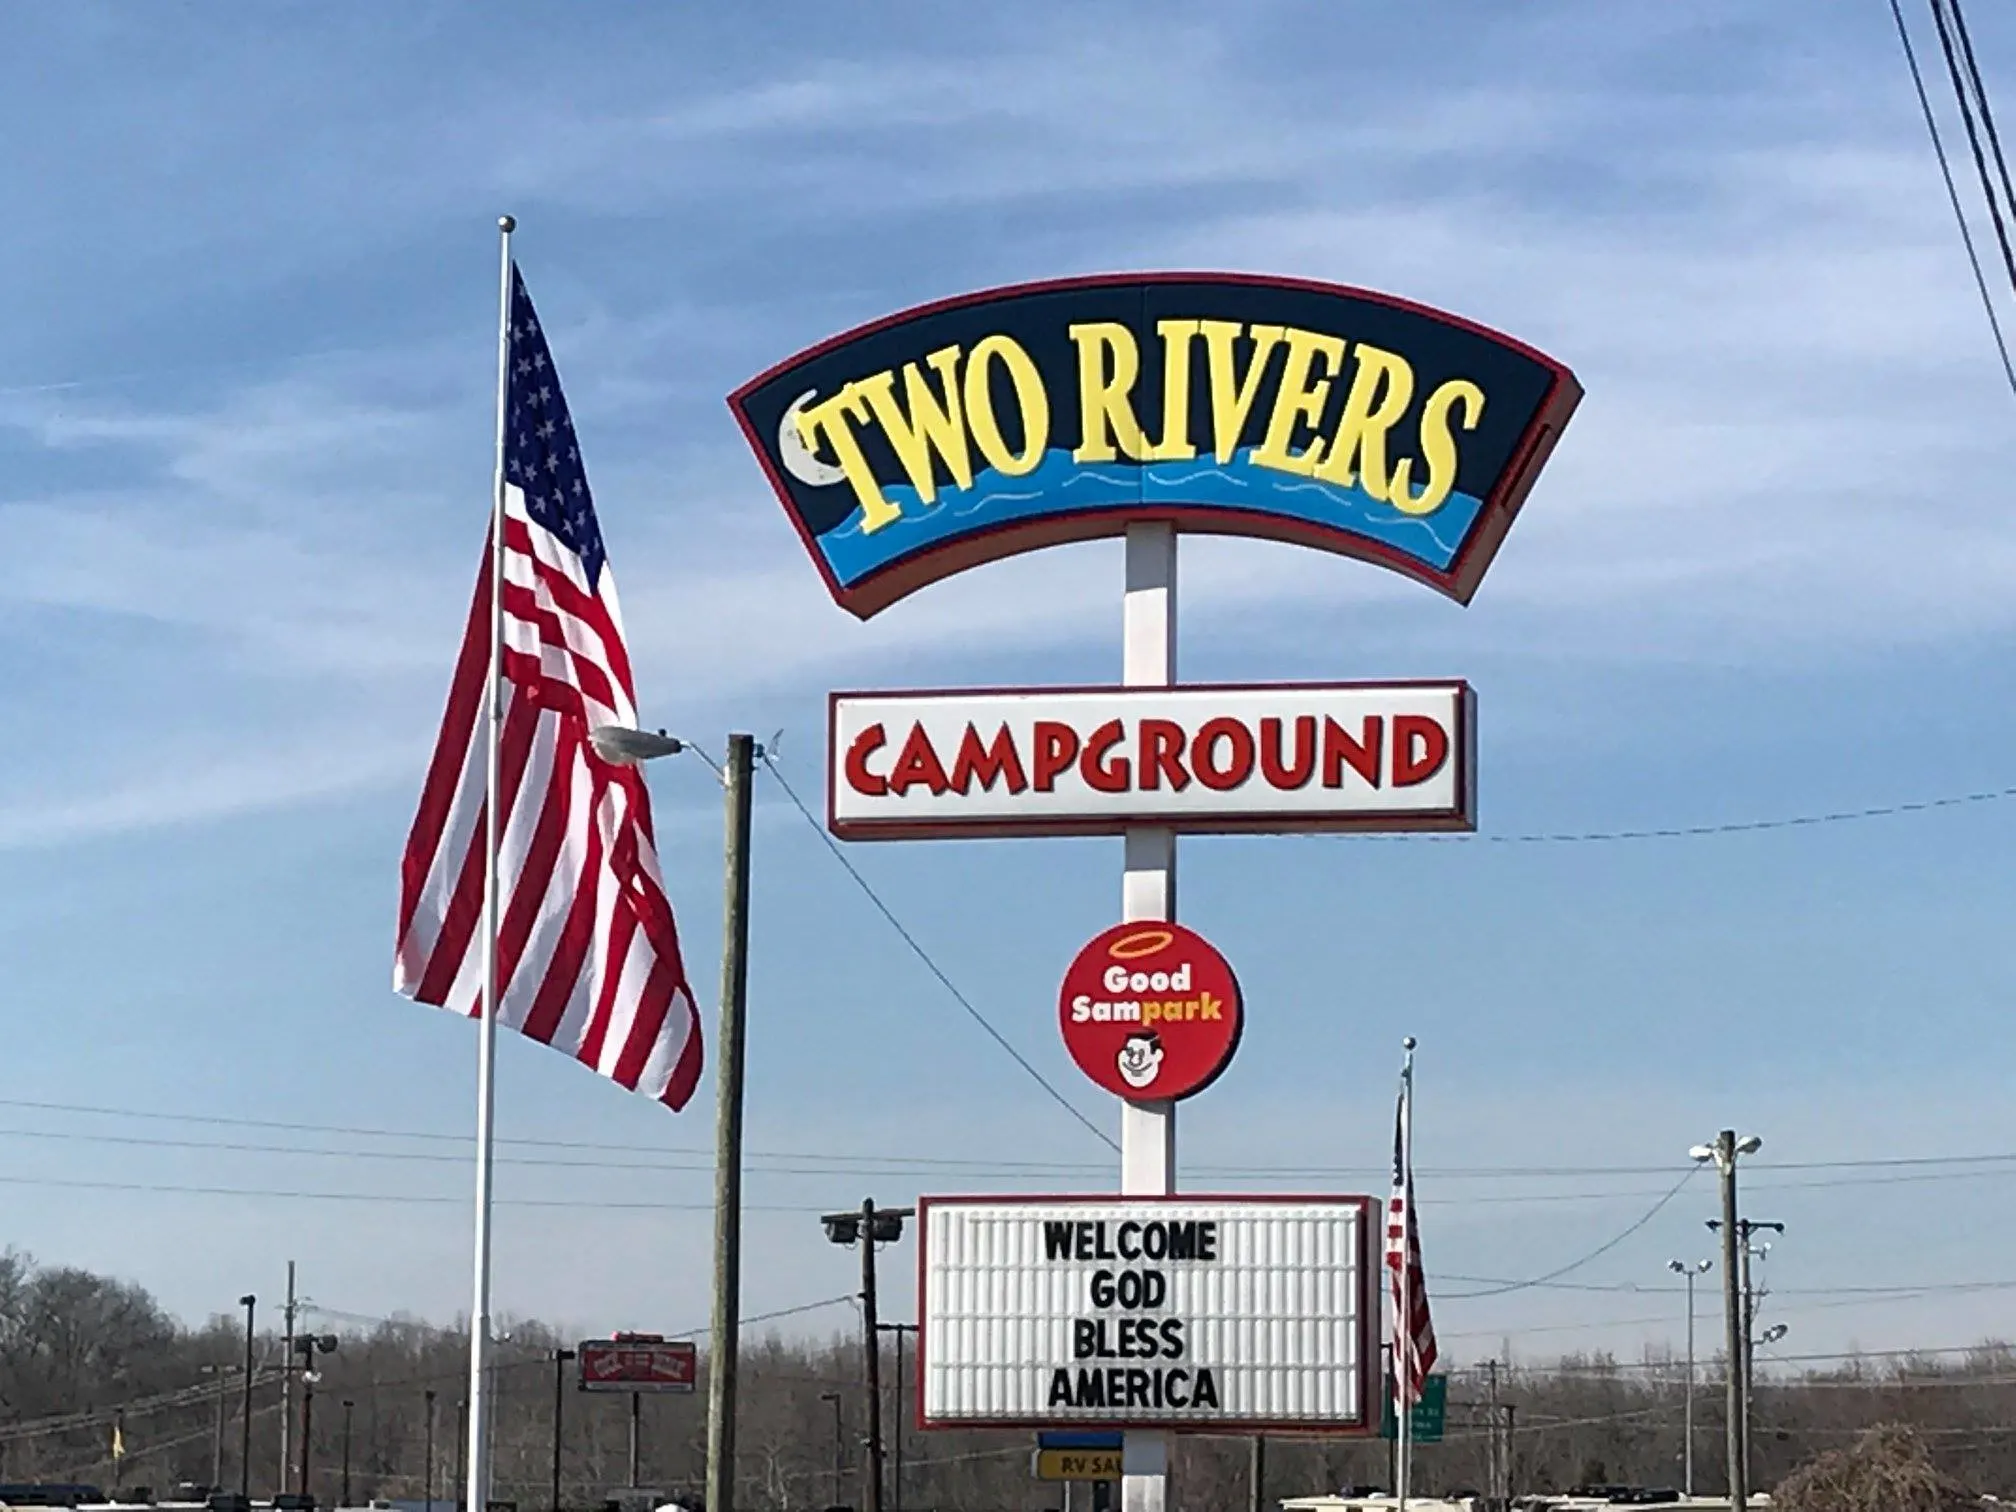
1413,1333
587,953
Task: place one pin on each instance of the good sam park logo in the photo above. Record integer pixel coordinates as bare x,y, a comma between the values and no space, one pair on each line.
972,429
1150,1011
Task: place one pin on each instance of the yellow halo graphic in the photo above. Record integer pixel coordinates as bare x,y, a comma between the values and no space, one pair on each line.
1143,942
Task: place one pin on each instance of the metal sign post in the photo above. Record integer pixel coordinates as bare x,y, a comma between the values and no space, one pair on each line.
1148,891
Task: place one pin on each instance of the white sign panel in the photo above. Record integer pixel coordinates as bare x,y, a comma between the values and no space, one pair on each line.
1257,759
1173,1312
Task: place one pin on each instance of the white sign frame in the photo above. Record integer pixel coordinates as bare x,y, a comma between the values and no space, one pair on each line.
1444,801
1038,1305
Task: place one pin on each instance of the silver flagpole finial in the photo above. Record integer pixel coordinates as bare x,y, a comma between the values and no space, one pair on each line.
507,223
1407,1044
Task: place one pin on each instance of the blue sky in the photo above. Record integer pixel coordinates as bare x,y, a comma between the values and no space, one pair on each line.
246,335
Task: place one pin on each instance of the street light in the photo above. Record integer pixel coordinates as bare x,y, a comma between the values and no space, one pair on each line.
248,1302
560,1359
621,746
839,1442
349,1407
1682,1268
430,1450
1725,1152
222,1373
869,1227
308,1346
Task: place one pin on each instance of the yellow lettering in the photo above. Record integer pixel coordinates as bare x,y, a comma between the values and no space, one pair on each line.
1231,395
1438,446
1175,445
831,418
1380,392
1300,400
1029,396
931,425
1108,364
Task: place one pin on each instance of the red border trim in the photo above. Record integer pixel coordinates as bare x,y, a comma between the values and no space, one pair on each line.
1369,1301
1462,819
900,579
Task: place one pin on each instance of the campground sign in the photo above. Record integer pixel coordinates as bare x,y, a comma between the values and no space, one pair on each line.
975,428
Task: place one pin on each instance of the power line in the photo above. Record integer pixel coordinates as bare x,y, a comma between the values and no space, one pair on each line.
1596,1253
1697,831
1953,198
1960,97
897,1163
932,966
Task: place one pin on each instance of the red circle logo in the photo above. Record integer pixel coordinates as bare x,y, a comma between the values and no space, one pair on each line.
1150,1011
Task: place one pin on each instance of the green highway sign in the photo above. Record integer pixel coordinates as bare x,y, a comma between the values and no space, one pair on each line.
1424,1419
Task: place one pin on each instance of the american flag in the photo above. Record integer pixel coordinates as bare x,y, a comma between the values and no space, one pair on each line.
587,953
1413,1333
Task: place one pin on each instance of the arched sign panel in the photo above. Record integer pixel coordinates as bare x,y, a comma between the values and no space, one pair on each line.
971,429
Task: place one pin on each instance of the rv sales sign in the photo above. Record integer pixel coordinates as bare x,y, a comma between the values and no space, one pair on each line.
1267,758
1172,1312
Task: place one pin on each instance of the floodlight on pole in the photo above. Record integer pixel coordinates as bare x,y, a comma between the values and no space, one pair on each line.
1682,1268
1774,1333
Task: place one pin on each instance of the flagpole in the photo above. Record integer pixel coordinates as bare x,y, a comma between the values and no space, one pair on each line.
1403,1334
478,1489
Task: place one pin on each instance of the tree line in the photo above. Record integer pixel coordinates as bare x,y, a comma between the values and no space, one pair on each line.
82,1355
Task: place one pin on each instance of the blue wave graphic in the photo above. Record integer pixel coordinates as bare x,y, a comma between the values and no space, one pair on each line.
1059,485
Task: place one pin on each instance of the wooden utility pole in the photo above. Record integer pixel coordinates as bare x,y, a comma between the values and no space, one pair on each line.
1732,1312
738,779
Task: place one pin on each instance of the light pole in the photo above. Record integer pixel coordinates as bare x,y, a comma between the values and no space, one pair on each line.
248,1302
1745,1228
1725,1152
430,1451
349,1408
308,1346
896,1437
839,1442
222,1373
560,1359
867,1228
1681,1267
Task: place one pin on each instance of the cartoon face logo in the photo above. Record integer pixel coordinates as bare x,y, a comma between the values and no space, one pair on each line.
1140,1059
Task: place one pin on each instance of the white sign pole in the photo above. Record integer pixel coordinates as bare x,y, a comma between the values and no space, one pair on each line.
1148,891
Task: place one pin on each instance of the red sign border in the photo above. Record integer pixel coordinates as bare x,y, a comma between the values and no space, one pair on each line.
1462,819
1459,581
1369,1300
1238,1005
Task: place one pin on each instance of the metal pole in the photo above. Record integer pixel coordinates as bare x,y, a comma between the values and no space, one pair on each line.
249,1303
1749,1343
560,1359
217,1445
1256,1474
1148,891
1491,1367
287,1384
896,1435
839,1443
461,1447
307,1429
430,1452
1688,1454
1725,1159
872,1360
636,1438
740,773
478,1424
349,1408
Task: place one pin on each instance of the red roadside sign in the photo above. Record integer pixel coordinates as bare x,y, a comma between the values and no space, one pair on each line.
637,1363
